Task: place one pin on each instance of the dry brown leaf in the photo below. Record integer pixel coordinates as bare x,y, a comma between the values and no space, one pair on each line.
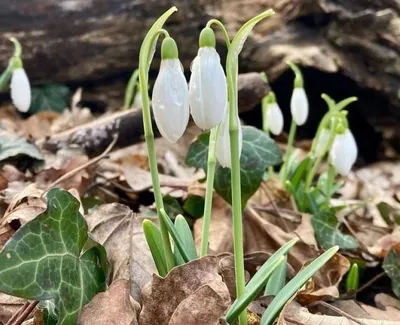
112,307
383,245
142,265
183,295
9,305
382,301
109,224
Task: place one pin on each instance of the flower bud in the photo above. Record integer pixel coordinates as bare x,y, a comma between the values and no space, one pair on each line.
20,90
344,152
170,100
299,106
207,87
223,149
274,118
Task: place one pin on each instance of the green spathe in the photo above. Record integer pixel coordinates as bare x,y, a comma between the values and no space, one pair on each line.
169,49
207,37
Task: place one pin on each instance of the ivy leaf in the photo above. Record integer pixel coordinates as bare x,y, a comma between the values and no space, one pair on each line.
259,152
47,259
172,206
327,233
391,265
13,147
194,205
51,97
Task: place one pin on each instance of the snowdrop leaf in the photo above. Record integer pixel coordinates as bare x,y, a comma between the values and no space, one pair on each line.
327,233
258,153
52,257
51,97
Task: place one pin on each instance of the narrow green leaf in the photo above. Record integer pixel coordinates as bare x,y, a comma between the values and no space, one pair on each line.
327,233
277,281
6,76
353,278
391,265
175,236
45,259
258,153
154,240
186,235
255,285
300,172
294,285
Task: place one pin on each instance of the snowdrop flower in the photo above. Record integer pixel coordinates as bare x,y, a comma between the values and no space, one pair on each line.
20,89
223,152
344,151
273,115
299,101
170,100
207,86
322,141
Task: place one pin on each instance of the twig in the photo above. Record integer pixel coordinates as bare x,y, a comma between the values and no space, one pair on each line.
337,310
25,313
14,317
82,167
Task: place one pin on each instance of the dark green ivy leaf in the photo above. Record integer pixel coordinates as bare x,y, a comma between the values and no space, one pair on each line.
51,97
50,258
391,265
172,207
259,152
194,205
327,233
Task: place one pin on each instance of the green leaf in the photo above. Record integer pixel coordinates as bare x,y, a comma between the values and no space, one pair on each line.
295,284
327,233
258,281
194,205
186,236
259,152
391,265
51,97
198,152
45,259
49,312
277,280
352,280
154,240
172,206
175,236
13,147
300,172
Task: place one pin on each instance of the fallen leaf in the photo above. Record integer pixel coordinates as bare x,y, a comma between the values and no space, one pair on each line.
382,301
112,307
142,266
383,245
109,224
9,305
182,296
391,265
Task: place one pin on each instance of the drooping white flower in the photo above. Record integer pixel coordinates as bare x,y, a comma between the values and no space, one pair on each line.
170,100
322,141
344,152
207,89
274,118
223,152
20,90
299,106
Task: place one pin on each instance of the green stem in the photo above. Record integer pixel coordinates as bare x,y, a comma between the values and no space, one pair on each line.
149,137
289,148
329,183
17,47
223,29
211,163
130,89
328,145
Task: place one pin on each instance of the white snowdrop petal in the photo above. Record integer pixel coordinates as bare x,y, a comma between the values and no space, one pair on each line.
20,90
170,100
352,145
322,141
299,106
223,153
274,119
342,153
207,89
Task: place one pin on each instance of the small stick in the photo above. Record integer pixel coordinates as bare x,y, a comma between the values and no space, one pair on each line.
25,313
14,317
82,167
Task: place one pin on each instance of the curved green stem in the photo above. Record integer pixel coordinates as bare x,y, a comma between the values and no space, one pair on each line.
145,57
211,163
223,29
130,89
17,47
289,148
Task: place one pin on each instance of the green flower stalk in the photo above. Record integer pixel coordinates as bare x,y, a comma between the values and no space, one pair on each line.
234,125
131,90
145,58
